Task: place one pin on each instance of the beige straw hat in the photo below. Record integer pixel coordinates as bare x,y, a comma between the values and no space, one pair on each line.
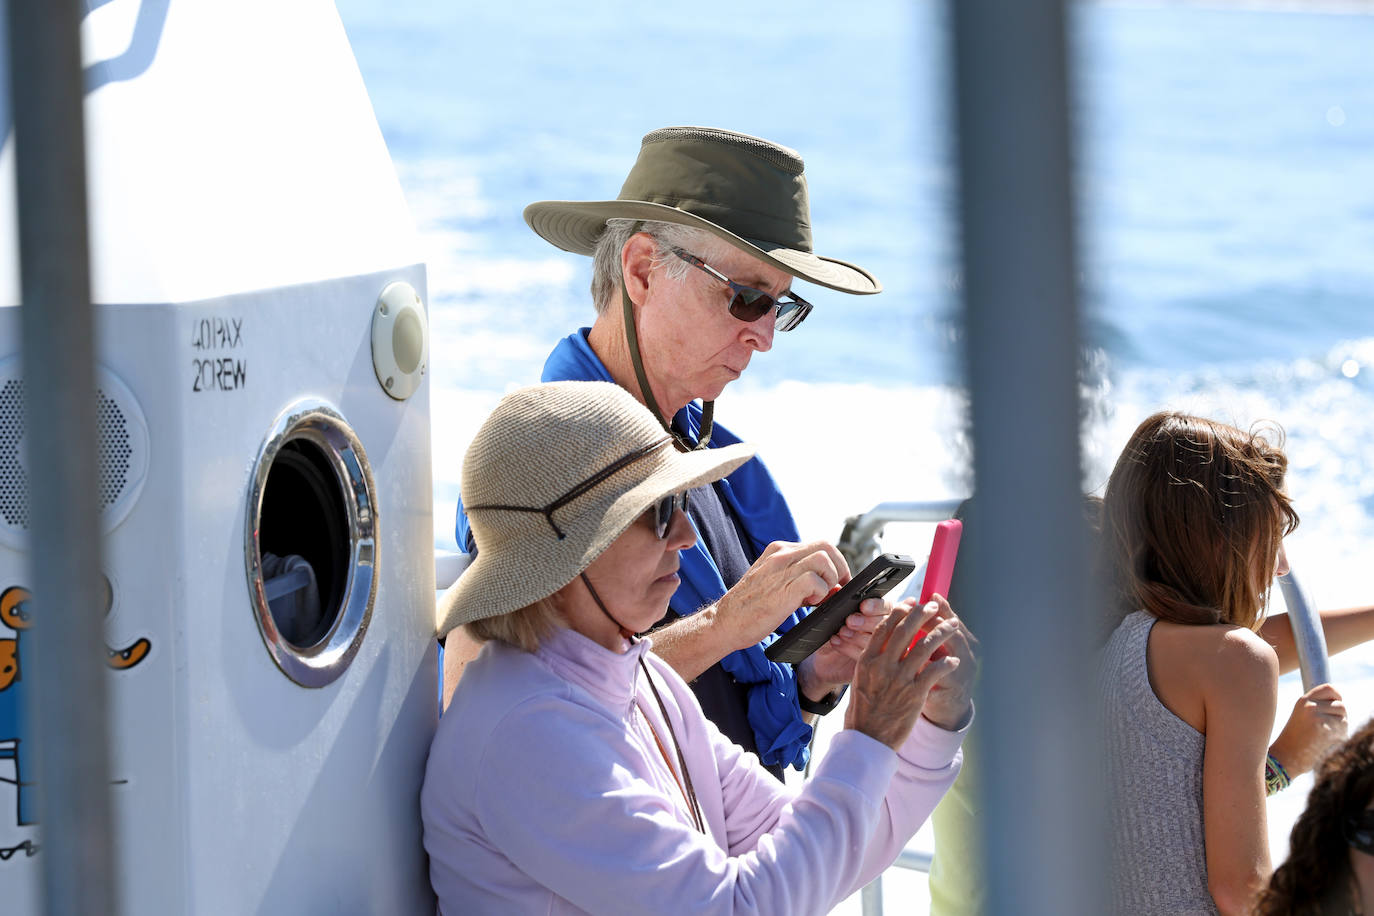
552,478
745,190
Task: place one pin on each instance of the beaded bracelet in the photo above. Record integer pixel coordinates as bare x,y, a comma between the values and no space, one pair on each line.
1275,776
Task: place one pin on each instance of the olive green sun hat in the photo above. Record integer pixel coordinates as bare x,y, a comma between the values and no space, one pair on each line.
552,478
747,191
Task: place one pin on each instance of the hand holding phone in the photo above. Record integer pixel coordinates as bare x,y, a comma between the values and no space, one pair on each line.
876,580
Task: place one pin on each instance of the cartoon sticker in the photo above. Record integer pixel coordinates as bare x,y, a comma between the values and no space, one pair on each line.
16,615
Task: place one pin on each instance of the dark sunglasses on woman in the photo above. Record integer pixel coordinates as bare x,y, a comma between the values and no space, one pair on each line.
663,512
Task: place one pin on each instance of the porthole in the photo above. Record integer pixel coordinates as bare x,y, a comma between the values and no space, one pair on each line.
311,543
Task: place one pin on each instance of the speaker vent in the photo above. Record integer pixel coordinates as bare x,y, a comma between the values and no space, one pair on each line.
121,452
14,480
114,451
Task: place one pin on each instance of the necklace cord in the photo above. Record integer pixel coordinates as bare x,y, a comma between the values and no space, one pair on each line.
688,791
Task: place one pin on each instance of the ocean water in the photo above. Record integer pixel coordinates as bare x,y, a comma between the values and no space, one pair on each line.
1226,230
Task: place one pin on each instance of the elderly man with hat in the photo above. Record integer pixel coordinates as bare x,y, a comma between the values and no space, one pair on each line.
693,266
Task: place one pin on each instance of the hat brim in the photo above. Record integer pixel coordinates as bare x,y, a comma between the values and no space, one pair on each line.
506,580
576,225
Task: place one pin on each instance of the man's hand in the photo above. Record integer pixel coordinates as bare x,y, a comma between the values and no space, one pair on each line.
783,579
832,665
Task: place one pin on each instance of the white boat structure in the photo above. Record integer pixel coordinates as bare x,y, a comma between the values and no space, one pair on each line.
260,366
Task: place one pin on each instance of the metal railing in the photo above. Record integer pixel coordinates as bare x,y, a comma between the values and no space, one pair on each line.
1307,633
859,539
448,566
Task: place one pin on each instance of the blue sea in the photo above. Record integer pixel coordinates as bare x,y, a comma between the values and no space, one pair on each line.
1226,227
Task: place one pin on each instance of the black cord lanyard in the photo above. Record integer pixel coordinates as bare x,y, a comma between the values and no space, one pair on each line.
685,784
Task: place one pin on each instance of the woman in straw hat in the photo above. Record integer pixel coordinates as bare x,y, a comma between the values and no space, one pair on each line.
574,770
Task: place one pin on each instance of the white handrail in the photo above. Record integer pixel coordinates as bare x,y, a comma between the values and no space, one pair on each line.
1308,637
859,539
448,566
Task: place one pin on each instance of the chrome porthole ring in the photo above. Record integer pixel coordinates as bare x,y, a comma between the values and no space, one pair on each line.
311,509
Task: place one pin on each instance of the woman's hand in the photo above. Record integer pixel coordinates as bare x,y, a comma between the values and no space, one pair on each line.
1318,723
951,700
892,683
832,665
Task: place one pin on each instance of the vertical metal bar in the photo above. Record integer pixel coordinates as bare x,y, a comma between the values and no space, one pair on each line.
1041,805
66,683
871,898
1308,637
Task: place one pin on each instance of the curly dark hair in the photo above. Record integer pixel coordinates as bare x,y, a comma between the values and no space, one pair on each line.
1316,879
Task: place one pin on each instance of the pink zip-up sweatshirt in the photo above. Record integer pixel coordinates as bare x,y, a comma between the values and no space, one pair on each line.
546,793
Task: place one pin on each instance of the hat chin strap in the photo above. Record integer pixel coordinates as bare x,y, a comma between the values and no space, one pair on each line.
628,634
632,338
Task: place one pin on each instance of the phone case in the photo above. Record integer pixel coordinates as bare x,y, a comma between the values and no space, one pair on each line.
876,579
940,570
940,567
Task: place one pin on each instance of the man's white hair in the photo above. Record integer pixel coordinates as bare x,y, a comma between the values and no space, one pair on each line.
667,236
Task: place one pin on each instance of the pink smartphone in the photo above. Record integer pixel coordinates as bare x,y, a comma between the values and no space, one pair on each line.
940,569
940,566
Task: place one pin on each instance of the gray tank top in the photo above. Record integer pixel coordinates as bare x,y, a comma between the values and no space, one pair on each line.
1154,771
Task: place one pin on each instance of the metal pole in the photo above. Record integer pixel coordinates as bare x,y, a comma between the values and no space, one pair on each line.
1026,537
66,683
1308,637
871,898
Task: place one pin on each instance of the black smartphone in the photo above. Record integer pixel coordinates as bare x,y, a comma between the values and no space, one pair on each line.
875,580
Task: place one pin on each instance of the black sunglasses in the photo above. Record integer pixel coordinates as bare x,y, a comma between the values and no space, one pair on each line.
749,304
663,512
1358,830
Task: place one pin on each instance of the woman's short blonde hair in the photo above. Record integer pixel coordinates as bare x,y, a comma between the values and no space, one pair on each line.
524,628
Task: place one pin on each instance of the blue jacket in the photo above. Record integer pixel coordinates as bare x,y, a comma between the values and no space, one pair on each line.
782,736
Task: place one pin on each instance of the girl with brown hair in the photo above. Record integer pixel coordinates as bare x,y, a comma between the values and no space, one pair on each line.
1193,523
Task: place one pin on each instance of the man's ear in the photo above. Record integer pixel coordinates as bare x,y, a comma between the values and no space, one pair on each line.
636,261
